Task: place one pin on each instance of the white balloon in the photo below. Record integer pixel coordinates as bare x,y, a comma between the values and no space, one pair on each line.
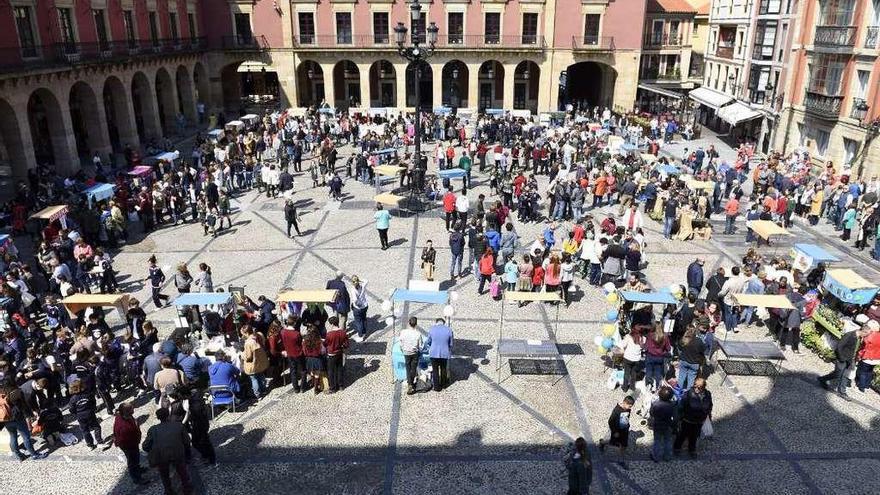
389,321
386,305
398,311
454,295
609,287
448,310
598,340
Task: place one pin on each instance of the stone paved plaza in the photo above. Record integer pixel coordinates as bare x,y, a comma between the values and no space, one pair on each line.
780,436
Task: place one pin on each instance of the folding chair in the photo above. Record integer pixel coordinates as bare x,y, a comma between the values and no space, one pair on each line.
221,395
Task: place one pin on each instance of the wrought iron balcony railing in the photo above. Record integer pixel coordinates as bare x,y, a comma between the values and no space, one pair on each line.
590,43
822,105
835,36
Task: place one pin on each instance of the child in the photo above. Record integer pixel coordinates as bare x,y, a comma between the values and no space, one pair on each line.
618,423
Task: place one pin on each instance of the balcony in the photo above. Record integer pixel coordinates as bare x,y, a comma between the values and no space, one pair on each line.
872,34
724,52
835,36
245,42
444,42
655,73
592,43
67,55
822,105
660,40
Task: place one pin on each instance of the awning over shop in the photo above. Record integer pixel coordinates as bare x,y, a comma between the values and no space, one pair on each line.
709,97
660,90
736,112
254,66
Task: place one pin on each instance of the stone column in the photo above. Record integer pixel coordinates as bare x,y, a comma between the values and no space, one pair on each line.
400,85
22,159
364,72
473,85
329,84
507,98
437,81
64,144
100,141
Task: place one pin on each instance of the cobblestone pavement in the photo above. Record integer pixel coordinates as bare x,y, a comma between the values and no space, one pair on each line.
781,436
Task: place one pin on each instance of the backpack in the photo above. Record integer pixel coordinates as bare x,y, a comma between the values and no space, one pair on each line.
5,409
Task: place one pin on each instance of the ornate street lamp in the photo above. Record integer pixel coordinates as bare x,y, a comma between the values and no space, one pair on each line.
416,54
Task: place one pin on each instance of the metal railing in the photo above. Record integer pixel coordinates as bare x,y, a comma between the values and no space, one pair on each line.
823,105
872,34
453,41
654,73
245,42
55,55
591,42
654,40
724,52
835,36
859,109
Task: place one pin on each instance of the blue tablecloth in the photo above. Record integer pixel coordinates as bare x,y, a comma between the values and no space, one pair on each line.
818,254
99,192
202,298
648,297
420,296
452,173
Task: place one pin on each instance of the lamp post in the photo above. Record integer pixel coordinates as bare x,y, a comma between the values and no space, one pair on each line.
416,54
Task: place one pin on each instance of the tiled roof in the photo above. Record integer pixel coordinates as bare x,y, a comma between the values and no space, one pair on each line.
671,7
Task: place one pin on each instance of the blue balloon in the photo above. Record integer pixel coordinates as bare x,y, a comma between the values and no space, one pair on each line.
611,315
608,343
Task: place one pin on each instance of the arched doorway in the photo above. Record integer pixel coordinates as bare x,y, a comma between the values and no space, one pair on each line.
346,84
13,158
47,127
526,81
259,85
84,119
589,84
455,84
116,113
310,81
383,84
186,102
491,85
201,84
165,98
426,85
144,104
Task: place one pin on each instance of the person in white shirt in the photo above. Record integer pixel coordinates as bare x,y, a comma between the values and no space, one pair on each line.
462,206
411,343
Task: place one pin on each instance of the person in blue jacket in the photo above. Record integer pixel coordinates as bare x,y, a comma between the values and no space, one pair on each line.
695,276
439,346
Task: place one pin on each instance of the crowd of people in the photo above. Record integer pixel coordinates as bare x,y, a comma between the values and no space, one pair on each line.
589,195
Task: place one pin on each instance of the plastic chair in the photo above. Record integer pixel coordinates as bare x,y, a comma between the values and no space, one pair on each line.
221,395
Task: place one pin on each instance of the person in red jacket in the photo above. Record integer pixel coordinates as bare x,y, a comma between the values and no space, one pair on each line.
127,436
291,341
336,342
449,207
487,268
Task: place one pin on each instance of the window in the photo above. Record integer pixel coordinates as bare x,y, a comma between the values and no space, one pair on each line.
591,29
765,41
783,35
850,150
455,27
862,77
191,23
25,24
306,27
530,29
380,28
657,32
419,27
128,23
343,28
673,32
65,25
154,29
759,77
770,7
101,29
243,29
836,12
172,22
821,141
493,27
826,75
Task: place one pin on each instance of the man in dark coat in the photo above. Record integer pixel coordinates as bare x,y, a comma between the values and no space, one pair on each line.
342,304
695,276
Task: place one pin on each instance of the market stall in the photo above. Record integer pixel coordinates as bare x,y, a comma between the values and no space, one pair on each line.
293,299
845,292
403,296
98,192
766,229
43,218
807,256
142,175
632,301
78,302
250,120
163,163
218,306
235,126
